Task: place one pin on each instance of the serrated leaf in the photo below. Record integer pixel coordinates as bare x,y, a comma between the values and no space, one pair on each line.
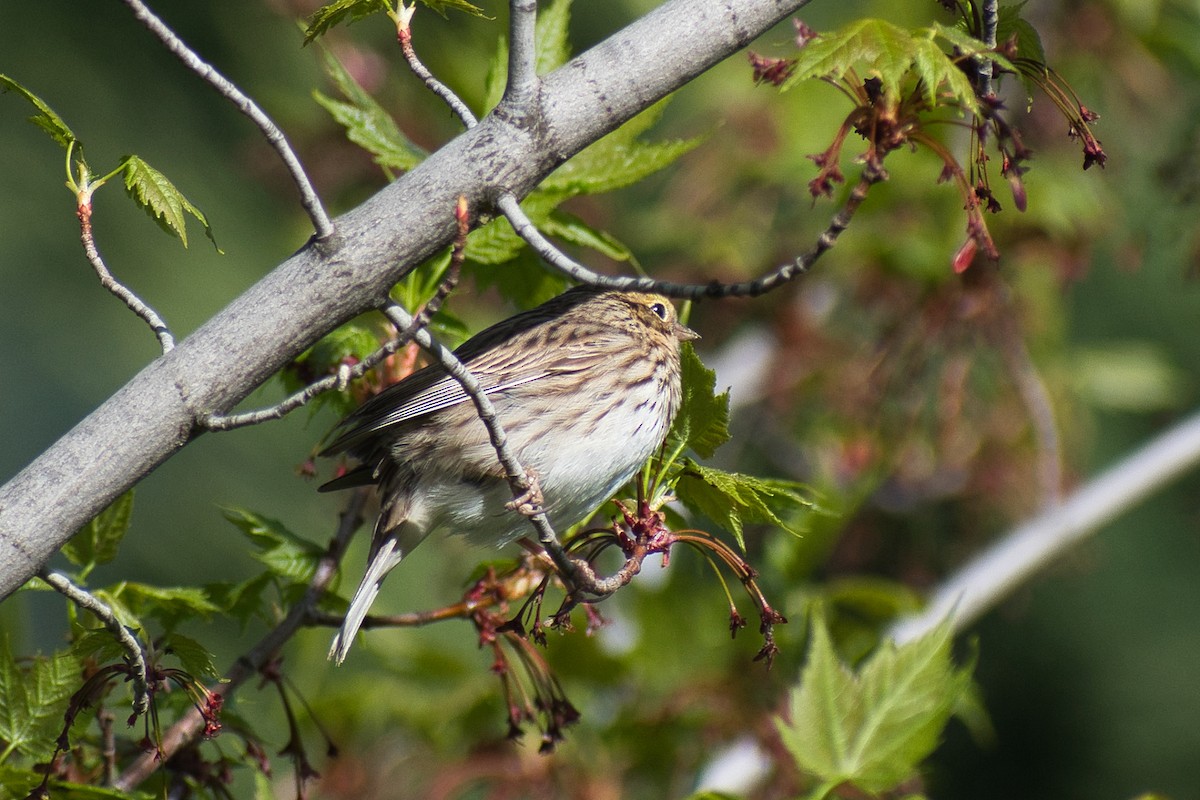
98,541
1009,23
872,728
165,204
442,6
524,281
497,242
731,499
879,49
45,118
352,340
100,645
551,43
60,790
33,699
367,124
195,657
240,600
285,554
619,159
327,16
572,229
131,600
702,422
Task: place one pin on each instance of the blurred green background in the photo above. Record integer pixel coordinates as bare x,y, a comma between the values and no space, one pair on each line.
1088,673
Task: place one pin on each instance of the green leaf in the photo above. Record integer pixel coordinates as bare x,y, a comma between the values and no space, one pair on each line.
240,600
195,657
877,48
285,554
572,229
619,159
1010,23
45,118
524,280
551,43
442,6
33,699
98,644
497,242
872,728
334,13
731,499
130,600
702,423
366,122
98,541
165,204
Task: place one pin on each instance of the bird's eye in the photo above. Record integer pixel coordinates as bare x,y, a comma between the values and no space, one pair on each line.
659,309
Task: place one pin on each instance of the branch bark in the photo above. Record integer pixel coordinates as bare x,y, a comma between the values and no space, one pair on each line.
327,282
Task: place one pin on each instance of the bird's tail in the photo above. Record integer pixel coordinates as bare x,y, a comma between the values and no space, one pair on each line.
398,543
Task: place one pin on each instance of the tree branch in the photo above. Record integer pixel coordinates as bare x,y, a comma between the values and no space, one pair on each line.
135,304
1002,568
192,723
404,36
134,655
524,227
308,195
329,281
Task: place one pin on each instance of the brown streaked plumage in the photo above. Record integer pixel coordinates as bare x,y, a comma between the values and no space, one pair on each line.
585,386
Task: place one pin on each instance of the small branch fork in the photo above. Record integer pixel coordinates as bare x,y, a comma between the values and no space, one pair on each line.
135,657
165,339
404,36
248,665
508,205
274,136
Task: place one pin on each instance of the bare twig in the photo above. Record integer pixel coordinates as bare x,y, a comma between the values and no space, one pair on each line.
191,724
404,36
522,55
510,207
347,373
135,303
134,655
274,136
1017,557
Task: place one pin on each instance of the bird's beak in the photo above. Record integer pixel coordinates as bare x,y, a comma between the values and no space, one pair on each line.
685,334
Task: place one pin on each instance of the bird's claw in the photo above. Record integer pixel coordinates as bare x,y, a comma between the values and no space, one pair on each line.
529,503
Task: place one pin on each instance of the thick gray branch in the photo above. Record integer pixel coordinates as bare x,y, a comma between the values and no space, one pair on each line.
1008,564
376,244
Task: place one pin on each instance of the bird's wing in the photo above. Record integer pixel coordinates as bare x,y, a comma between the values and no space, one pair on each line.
431,390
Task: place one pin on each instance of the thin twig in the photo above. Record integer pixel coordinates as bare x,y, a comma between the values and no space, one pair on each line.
404,36
134,655
508,205
342,378
347,373
518,479
274,136
165,339
991,19
247,666
1017,557
522,55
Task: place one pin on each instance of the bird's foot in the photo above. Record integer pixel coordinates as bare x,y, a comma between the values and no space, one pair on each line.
529,502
